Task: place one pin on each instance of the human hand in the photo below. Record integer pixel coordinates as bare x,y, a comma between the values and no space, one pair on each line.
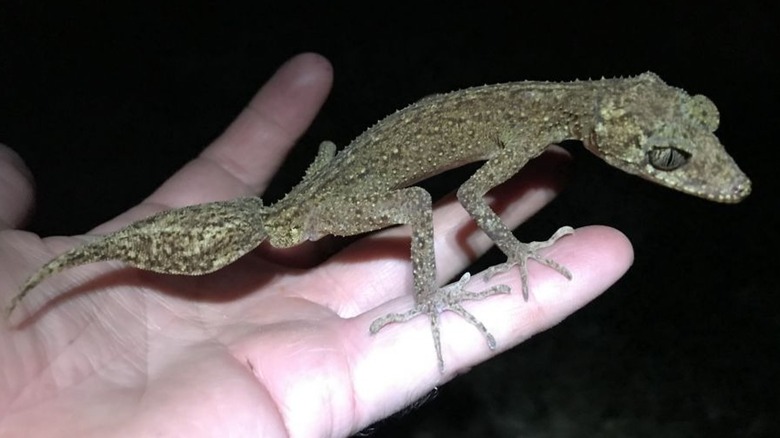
262,347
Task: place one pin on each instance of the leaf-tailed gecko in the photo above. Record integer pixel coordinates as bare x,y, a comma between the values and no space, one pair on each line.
639,125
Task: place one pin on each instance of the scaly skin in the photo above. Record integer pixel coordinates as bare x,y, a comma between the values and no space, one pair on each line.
639,125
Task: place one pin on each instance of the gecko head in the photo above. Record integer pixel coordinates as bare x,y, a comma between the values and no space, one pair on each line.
664,135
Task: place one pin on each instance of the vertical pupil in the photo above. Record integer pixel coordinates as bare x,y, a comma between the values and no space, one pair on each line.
668,158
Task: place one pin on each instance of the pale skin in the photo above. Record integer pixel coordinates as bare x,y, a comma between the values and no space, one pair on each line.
277,343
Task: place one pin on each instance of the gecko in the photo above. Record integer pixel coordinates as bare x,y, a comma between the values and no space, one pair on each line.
637,124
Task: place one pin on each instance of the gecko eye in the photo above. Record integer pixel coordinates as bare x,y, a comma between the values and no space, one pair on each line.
667,158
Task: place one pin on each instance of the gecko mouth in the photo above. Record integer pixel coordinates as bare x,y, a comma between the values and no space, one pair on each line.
738,191
733,192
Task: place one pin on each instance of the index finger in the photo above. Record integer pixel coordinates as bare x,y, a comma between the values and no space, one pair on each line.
243,159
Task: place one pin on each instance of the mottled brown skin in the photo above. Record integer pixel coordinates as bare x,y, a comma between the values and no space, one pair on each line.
639,125
192,240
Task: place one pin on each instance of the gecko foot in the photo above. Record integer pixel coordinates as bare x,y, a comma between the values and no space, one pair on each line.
527,251
446,298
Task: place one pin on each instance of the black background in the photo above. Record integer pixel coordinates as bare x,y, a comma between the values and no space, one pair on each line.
105,102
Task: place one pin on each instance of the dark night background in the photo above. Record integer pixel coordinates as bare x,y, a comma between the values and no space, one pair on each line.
105,102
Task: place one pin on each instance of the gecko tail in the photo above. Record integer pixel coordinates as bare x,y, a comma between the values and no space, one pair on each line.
75,257
192,240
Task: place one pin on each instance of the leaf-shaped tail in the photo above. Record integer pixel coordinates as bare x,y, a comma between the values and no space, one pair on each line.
191,240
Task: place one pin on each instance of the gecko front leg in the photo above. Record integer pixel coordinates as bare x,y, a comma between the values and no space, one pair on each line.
347,215
510,158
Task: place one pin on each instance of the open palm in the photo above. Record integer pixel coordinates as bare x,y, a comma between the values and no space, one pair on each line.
276,344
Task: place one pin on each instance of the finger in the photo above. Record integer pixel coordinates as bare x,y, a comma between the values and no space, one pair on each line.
16,189
402,355
244,158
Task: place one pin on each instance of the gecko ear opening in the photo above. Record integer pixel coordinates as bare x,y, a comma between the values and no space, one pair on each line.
667,158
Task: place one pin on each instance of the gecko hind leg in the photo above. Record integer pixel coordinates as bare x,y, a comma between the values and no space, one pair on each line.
525,251
447,298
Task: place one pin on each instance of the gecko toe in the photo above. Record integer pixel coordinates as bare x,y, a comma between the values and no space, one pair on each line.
447,298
